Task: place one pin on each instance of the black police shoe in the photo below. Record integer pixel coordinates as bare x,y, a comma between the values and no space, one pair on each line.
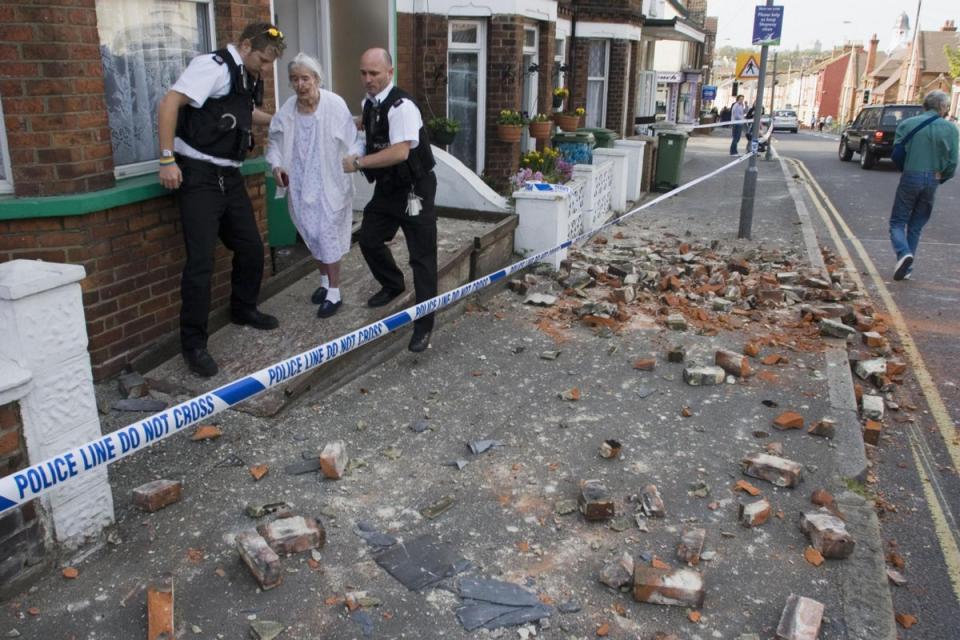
419,341
200,362
319,295
382,297
328,308
255,319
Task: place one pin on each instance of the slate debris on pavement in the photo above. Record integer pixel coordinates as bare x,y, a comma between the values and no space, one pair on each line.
491,604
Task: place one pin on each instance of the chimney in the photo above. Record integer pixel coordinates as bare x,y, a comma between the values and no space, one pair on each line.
871,55
949,25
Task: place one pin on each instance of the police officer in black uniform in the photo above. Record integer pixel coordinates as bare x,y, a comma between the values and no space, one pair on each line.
212,109
398,159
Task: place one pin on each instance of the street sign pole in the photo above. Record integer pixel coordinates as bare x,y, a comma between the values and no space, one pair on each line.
750,175
773,93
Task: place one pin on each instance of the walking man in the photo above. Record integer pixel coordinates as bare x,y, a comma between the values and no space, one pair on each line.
205,130
736,113
399,160
931,160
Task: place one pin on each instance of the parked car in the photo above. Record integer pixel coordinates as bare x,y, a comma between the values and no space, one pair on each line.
872,133
786,120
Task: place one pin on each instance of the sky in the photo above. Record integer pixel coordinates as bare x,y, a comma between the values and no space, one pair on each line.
830,21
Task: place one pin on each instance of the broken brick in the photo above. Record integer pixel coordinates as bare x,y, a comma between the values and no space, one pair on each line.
691,545
873,339
158,494
755,513
676,322
800,619
262,561
293,534
651,504
133,385
619,573
905,620
751,349
827,533
258,471
645,364
334,459
813,556
788,420
825,428
610,449
733,363
595,501
895,368
871,432
746,487
822,498
160,618
207,432
872,407
697,376
624,294
677,353
770,295
775,470
833,329
680,587
772,359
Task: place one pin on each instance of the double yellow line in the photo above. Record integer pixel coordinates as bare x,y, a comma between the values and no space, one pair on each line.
944,522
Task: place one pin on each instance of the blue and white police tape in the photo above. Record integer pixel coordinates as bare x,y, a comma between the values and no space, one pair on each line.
34,481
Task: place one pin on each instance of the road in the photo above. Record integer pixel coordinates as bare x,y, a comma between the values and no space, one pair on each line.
917,462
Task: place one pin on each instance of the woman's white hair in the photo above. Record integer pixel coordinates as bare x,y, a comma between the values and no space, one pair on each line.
309,63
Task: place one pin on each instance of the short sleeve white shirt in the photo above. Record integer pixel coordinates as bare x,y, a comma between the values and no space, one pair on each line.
205,78
405,120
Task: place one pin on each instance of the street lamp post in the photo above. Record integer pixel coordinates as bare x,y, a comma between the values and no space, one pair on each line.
750,175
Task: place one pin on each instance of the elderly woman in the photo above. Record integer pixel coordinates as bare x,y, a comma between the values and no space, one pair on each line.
309,135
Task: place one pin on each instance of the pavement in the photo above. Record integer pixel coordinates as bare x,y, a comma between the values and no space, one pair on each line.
549,384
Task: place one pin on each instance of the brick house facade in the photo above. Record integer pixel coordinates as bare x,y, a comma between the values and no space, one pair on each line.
69,207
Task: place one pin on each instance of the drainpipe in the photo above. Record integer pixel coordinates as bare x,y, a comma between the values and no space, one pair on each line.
573,53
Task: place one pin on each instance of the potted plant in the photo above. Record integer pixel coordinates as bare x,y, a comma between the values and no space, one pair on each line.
540,126
442,130
559,95
509,126
542,166
570,120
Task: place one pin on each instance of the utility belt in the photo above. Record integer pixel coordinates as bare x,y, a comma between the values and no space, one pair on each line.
202,166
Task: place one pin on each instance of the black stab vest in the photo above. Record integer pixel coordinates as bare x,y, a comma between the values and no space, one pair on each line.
222,127
377,126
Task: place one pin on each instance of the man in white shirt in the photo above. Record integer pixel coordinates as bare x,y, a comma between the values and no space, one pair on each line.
736,113
205,127
399,160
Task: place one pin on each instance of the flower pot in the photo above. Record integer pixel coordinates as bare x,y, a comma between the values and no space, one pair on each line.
509,132
567,123
442,137
540,129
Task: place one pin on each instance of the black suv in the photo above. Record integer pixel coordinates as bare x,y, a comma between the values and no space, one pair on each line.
871,134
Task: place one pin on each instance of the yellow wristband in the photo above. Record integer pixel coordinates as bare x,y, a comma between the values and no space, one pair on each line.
167,161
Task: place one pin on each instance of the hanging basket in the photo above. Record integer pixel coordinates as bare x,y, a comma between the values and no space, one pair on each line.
540,130
567,123
557,102
442,137
509,132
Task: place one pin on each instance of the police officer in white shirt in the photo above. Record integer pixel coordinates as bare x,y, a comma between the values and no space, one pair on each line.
398,158
205,129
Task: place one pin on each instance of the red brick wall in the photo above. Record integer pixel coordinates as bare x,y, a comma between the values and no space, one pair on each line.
133,256
51,81
22,549
829,86
617,81
577,78
504,90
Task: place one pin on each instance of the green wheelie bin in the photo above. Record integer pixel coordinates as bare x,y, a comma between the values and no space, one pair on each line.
671,145
604,137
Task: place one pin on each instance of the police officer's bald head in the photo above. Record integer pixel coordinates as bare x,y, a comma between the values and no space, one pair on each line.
376,70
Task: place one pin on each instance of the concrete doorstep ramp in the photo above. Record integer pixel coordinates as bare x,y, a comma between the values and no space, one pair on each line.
467,244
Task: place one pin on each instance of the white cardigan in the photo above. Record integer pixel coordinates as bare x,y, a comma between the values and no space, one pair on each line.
339,138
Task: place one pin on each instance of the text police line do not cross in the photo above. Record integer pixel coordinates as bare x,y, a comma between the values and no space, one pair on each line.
36,480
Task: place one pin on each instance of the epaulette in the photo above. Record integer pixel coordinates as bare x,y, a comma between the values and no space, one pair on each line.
218,59
398,102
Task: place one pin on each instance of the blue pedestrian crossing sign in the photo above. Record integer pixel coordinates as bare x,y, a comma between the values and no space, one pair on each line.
767,25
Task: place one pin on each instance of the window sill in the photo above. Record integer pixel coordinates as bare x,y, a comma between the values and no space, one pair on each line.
126,191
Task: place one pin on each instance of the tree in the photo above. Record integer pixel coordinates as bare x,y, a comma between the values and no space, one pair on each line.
953,57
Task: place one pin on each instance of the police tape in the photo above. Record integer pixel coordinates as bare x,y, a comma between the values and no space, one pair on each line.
36,480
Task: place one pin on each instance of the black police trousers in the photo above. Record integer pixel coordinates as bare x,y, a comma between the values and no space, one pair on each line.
214,203
383,215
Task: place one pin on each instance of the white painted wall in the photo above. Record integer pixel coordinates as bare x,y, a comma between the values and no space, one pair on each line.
44,333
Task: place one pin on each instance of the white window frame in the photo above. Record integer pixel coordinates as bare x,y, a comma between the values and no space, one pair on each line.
6,184
480,48
605,78
559,59
152,166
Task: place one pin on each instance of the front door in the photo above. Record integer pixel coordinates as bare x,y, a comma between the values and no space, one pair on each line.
466,90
